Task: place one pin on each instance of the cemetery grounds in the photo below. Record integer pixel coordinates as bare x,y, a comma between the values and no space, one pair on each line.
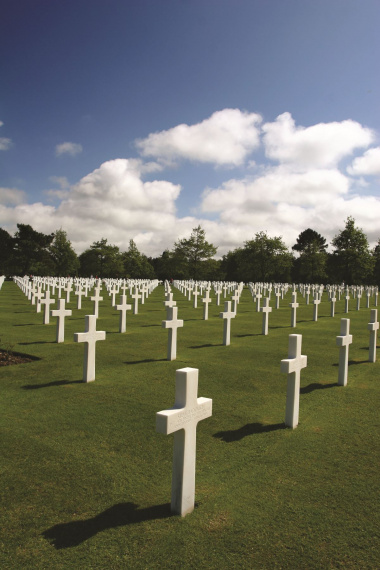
86,480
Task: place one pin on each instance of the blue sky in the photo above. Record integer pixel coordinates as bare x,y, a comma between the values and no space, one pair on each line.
141,119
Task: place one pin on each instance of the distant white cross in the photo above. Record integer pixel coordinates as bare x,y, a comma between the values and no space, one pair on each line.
206,301
373,327
266,309
182,420
79,292
123,308
227,315
61,313
89,337
294,306
315,310
172,324
292,366
136,298
96,298
343,341
47,301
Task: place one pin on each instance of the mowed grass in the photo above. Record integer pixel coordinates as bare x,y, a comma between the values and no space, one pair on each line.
86,480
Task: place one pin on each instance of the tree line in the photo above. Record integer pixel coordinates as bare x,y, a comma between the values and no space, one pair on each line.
262,258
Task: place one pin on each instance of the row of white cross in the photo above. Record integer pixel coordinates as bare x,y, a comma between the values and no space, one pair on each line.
188,409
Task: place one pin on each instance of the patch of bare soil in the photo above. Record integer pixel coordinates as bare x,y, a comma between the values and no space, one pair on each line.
7,358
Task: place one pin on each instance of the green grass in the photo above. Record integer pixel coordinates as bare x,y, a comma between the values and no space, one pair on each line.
85,479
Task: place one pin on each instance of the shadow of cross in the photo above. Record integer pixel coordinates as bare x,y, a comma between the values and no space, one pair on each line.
182,420
67,535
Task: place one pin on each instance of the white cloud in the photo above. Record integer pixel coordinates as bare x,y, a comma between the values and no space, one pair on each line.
319,146
368,164
225,138
68,148
284,203
5,144
307,189
111,202
11,196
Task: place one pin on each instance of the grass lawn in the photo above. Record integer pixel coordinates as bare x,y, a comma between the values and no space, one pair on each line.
86,480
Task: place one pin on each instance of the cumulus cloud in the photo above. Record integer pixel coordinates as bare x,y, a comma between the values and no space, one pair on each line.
112,202
368,164
68,148
284,202
319,146
225,138
11,196
306,189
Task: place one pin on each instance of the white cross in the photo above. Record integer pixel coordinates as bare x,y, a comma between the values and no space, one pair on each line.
113,292
61,313
79,292
358,301
373,328
278,295
169,303
218,292
294,306
206,300
347,298
258,297
316,303
38,297
292,366
96,298
68,291
136,298
235,300
333,301
343,342
227,315
90,336
266,309
123,308
195,301
173,323
182,420
47,302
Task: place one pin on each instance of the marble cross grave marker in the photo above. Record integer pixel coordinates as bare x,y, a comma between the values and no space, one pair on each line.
61,313
123,308
292,366
96,298
206,300
89,337
227,315
294,306
182,420
373,328
47,301
343,341
173,323
265,310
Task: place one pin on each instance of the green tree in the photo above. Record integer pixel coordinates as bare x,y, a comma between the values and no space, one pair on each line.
190,255
310,266
6,252
351,261
136,264
31,251
376,263
101,259
265,259
64,257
